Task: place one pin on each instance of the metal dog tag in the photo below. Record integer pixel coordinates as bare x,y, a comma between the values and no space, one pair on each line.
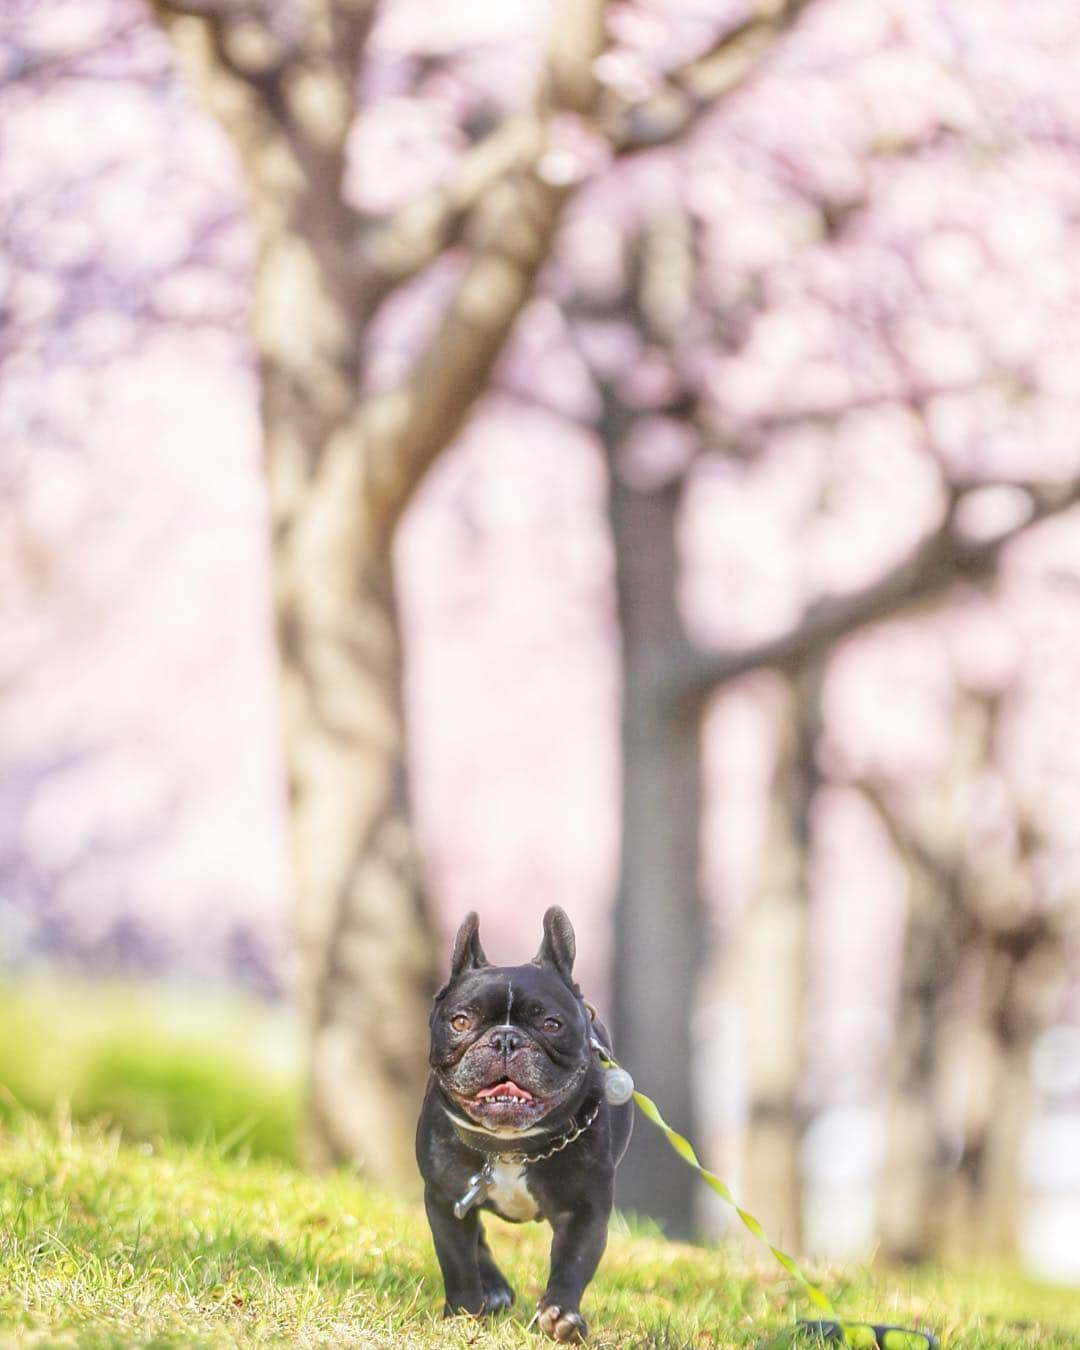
479,1186
618,1086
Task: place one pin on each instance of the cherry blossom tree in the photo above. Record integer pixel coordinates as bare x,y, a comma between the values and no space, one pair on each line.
821,288
807,320
346,452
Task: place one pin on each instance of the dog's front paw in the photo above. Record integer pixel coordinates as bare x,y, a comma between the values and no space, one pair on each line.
495,1297
498,1296
464,1306
563,1324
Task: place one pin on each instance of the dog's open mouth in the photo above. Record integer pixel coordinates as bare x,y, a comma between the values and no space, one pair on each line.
506,1090
504,1105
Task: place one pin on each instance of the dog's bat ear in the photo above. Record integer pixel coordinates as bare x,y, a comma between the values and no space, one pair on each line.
559,946
468,953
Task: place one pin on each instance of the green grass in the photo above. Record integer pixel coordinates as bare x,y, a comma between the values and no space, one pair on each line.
106,1243
173,1215
158,1061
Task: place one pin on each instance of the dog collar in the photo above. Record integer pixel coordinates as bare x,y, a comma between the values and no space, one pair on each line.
483,1141
480,1183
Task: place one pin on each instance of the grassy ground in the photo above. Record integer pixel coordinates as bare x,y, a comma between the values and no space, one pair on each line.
177,1218
104,1243
158,1061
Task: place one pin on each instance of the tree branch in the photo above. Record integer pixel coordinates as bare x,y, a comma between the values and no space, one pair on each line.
351,24
828,415
942,558
417,233
240,40
411,425
283,86
410,240
404,431
279,62
691,89
414,236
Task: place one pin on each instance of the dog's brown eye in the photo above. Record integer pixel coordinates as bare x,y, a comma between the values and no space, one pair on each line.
552,1024
461,1022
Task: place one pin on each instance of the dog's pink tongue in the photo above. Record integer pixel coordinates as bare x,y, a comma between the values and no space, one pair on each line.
507,1089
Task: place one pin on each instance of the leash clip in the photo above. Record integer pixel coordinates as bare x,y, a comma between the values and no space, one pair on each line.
618,1085
479,1186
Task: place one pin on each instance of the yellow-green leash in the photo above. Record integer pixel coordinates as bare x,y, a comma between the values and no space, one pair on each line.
851,1333
685,1150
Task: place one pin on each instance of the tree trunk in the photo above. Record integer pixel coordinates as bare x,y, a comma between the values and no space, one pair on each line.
999,1201
933,1051
342,470
1023,978
365,942
980,976
770,975
658,912
916,1172
365,939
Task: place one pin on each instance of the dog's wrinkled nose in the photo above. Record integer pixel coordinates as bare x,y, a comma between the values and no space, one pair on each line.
505,1040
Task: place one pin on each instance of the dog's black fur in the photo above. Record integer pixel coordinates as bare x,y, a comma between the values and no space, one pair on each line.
527,1027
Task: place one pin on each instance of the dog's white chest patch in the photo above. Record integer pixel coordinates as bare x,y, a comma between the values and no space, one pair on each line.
509,1193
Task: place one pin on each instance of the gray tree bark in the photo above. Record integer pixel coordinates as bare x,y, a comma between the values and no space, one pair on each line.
981,971
658,912
770,973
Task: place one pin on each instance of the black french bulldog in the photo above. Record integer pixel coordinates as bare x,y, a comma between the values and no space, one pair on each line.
515,1121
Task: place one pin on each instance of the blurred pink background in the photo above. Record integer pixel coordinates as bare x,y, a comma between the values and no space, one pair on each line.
141,808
